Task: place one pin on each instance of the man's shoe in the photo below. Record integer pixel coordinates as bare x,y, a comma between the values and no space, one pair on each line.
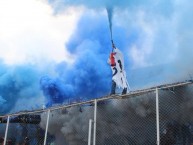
124,91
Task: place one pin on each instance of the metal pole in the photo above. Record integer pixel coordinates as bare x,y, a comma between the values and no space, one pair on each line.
89,132
47,123
6,131
95,117
157,117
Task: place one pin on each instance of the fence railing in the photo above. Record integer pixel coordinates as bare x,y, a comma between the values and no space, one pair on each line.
160,115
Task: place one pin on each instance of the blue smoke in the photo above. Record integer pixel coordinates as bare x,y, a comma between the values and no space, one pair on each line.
17,84
55,90
90,75
91,45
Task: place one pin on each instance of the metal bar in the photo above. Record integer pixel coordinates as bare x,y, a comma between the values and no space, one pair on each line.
131,94
6,131
157,117
89,132
47,123
95,118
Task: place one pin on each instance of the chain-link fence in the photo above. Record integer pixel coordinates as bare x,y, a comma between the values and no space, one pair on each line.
161,116
128,121
69,125
24,129
2,130
176,115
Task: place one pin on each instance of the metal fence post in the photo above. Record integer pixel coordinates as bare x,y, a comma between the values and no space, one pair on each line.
6,131
89,131
95,117
47,123
157,117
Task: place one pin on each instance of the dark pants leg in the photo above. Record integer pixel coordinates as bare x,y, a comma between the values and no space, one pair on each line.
124,91
113,87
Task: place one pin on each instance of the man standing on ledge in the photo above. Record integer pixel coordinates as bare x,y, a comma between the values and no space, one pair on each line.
119,76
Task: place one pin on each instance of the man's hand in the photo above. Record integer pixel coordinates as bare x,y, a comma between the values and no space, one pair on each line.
113,45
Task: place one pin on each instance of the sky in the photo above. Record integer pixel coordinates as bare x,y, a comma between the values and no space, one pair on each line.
55,50
30,32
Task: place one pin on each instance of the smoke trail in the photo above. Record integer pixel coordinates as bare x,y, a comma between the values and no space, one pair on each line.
110,16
